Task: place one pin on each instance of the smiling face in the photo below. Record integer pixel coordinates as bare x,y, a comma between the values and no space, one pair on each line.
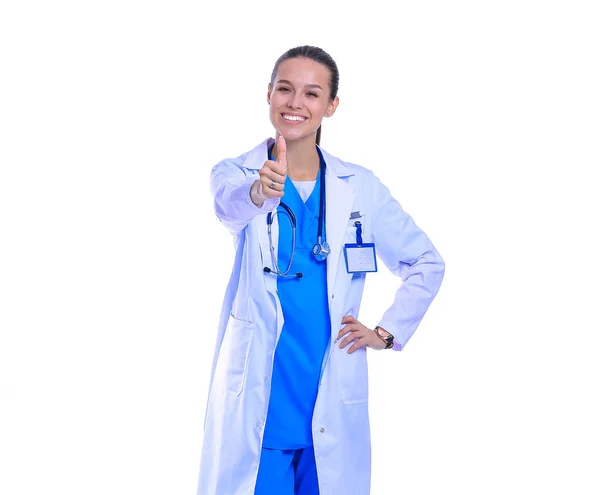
300,98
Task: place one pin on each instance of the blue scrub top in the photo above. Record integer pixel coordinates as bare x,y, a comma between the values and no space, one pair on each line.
306,331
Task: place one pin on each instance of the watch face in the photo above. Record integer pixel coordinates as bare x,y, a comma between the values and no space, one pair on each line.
388,338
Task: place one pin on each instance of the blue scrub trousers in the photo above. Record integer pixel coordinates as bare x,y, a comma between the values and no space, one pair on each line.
287,472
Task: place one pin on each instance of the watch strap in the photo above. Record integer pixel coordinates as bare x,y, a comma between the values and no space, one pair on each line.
389,340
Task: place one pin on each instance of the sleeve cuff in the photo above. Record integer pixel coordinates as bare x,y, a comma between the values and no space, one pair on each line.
398,346
269,204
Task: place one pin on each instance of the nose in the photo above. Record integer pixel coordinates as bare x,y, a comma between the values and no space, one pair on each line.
295,100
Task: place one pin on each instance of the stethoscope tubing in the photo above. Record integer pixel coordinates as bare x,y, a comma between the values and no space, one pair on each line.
292,218
320,249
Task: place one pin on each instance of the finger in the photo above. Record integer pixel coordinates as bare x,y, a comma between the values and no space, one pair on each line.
271,185
275,167
347,328
350,338
281,151
347,340
272,176
357,345
348,319
270,192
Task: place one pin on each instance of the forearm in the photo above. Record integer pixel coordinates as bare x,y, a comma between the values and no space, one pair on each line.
233,203
421,283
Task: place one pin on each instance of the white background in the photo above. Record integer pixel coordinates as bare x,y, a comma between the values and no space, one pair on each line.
481,117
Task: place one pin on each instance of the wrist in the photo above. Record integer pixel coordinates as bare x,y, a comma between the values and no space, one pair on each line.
257,198
386,336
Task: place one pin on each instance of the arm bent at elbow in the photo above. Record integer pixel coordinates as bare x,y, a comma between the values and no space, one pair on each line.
408,253
231,187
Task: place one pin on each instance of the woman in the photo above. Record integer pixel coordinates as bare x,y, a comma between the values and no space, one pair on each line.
287,410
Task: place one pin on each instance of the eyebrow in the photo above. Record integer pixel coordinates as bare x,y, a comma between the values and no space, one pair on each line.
285,81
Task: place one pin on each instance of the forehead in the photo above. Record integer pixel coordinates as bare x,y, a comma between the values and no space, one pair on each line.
302,71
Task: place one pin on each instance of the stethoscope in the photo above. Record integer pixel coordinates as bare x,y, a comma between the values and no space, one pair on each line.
321,249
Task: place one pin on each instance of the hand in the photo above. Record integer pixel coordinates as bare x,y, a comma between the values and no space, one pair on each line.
360,334
272,173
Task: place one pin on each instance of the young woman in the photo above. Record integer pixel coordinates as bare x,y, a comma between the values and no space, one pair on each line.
287,411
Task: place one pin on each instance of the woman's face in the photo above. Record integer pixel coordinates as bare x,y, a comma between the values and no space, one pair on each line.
299,98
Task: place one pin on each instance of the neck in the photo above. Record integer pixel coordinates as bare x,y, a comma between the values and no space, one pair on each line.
302,158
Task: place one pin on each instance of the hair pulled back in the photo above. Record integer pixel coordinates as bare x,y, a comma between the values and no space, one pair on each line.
320,56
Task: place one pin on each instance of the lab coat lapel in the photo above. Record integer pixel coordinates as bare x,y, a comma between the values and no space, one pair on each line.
339,201
263,237
255,159
270,278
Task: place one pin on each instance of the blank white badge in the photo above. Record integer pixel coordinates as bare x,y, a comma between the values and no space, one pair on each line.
360,258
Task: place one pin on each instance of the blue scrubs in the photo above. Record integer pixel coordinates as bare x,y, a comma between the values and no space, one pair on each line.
287,472
302,345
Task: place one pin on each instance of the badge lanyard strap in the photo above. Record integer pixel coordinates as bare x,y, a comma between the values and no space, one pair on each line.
358,226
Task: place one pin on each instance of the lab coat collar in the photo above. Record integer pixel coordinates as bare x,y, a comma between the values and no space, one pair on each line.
255,159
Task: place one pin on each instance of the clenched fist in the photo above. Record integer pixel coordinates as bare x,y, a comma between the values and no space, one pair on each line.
272,177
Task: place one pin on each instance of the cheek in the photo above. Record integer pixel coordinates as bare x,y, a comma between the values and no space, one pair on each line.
320,107
318,110
278,102
274,113
273,106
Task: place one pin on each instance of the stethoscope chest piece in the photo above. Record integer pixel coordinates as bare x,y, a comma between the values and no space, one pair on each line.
321,250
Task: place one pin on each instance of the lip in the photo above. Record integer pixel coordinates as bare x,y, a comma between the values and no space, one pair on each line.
293,122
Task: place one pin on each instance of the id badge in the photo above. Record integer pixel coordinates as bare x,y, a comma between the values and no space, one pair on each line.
360,258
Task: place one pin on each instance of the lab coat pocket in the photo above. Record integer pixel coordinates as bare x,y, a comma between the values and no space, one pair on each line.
234,354
354,381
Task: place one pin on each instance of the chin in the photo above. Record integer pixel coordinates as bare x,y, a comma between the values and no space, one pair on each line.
295,134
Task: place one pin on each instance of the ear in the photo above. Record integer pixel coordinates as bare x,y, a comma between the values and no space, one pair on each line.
269,89
332,106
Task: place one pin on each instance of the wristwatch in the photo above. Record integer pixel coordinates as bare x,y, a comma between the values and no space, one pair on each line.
388,339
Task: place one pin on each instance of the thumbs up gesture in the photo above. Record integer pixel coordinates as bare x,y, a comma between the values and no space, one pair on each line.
272,177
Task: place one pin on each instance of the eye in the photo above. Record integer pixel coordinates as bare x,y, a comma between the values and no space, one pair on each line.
312,94
283,88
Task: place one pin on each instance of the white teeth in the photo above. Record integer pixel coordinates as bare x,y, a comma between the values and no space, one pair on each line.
293,117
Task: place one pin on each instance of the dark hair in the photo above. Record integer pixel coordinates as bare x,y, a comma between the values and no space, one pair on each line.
318,55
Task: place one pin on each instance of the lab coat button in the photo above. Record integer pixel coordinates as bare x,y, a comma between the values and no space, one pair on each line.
266,378
257,424
322,430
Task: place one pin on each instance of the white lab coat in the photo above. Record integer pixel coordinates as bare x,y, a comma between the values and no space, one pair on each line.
252,319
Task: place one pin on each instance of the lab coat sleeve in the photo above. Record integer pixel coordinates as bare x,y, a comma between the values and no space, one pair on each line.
409,254
230,186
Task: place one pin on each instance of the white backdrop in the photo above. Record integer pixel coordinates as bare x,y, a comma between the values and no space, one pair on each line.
481,117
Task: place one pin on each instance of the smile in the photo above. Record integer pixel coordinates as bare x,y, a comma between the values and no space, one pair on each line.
293,118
